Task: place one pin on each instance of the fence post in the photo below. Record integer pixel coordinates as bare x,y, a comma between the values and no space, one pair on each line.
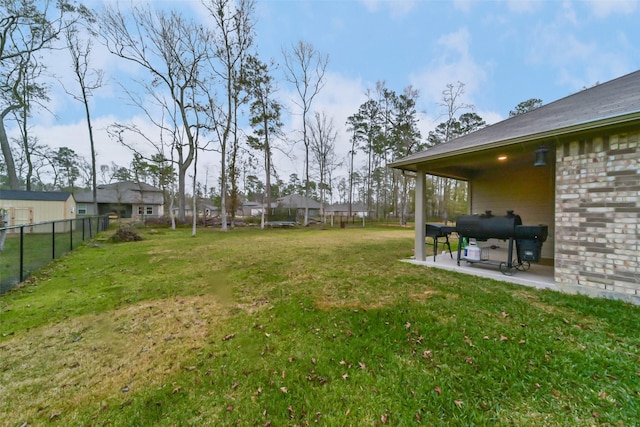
53,241
70,234
21,254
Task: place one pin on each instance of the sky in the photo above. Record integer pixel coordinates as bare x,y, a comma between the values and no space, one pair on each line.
504,52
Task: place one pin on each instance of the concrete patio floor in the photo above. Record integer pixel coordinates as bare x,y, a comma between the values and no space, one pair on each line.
538,276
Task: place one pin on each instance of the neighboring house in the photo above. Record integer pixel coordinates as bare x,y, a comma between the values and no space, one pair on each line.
299,203
205,208
342,210
588,193
252,208
32,207
210,210
124,199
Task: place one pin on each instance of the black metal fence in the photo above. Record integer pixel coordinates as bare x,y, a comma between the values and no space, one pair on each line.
26,248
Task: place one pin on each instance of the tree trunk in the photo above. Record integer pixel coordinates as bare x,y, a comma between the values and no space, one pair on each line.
14,183
267,164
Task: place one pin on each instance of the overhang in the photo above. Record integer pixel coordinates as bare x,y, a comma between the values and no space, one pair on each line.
611,105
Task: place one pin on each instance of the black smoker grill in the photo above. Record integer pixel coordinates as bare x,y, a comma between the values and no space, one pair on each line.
437,231
528,239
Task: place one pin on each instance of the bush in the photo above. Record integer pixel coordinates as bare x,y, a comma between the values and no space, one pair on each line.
125,234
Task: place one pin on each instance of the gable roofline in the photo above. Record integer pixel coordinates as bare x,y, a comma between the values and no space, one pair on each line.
127,192
610,104
129,185
298,201
45,196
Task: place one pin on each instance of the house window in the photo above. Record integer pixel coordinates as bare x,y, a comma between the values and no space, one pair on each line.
140,210
82,209
149,210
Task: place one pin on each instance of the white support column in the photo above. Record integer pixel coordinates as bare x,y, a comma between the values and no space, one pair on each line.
420,251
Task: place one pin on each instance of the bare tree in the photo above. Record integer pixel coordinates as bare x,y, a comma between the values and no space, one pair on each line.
452,105
26,27
451,128
88,80
233,23
305,69
174,52
322,143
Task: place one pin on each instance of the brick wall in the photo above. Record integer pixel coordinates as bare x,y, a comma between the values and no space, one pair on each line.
597,214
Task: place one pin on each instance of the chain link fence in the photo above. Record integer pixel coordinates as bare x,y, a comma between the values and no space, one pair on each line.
26,248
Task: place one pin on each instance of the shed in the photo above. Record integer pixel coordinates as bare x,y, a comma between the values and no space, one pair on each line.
587,191
31,207
125,199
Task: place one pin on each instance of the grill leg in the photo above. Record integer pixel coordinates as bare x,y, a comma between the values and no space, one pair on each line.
435,248
510,260
448,245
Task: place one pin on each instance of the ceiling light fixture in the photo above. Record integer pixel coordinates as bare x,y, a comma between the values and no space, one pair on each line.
541,156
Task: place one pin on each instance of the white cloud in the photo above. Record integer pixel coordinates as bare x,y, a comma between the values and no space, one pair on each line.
463,5
397,8
606,8
569,13
579,58
455,64
490,117
524,6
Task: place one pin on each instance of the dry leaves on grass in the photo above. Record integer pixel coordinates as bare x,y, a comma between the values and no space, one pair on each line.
89,358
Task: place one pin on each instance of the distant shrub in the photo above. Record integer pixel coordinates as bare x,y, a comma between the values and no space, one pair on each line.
125,234
158,221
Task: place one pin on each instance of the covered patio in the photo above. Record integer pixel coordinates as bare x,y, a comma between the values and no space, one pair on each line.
500,179
572,166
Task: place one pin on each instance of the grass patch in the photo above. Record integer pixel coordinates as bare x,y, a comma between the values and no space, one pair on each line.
293,327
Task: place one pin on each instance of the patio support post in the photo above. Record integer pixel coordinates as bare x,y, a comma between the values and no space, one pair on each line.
420,251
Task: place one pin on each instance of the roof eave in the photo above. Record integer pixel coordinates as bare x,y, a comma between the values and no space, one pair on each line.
411,164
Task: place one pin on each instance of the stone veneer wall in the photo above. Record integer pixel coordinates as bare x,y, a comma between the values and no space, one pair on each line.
597,214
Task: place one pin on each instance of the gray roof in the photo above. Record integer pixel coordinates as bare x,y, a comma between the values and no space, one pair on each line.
298,201
616,102
124,192
344,207
49,196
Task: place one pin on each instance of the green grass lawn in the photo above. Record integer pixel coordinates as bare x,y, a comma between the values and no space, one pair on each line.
300,327
39,245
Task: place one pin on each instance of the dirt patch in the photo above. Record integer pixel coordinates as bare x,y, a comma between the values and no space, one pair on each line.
351,305
95,357
424,295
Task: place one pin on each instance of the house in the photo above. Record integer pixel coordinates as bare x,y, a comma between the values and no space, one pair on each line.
342,210
585,184
32,207
252,208
125,199
297,204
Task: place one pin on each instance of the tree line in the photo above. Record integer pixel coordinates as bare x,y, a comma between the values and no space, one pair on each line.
204,88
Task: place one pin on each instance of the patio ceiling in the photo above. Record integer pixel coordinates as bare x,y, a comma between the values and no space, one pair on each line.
466,166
